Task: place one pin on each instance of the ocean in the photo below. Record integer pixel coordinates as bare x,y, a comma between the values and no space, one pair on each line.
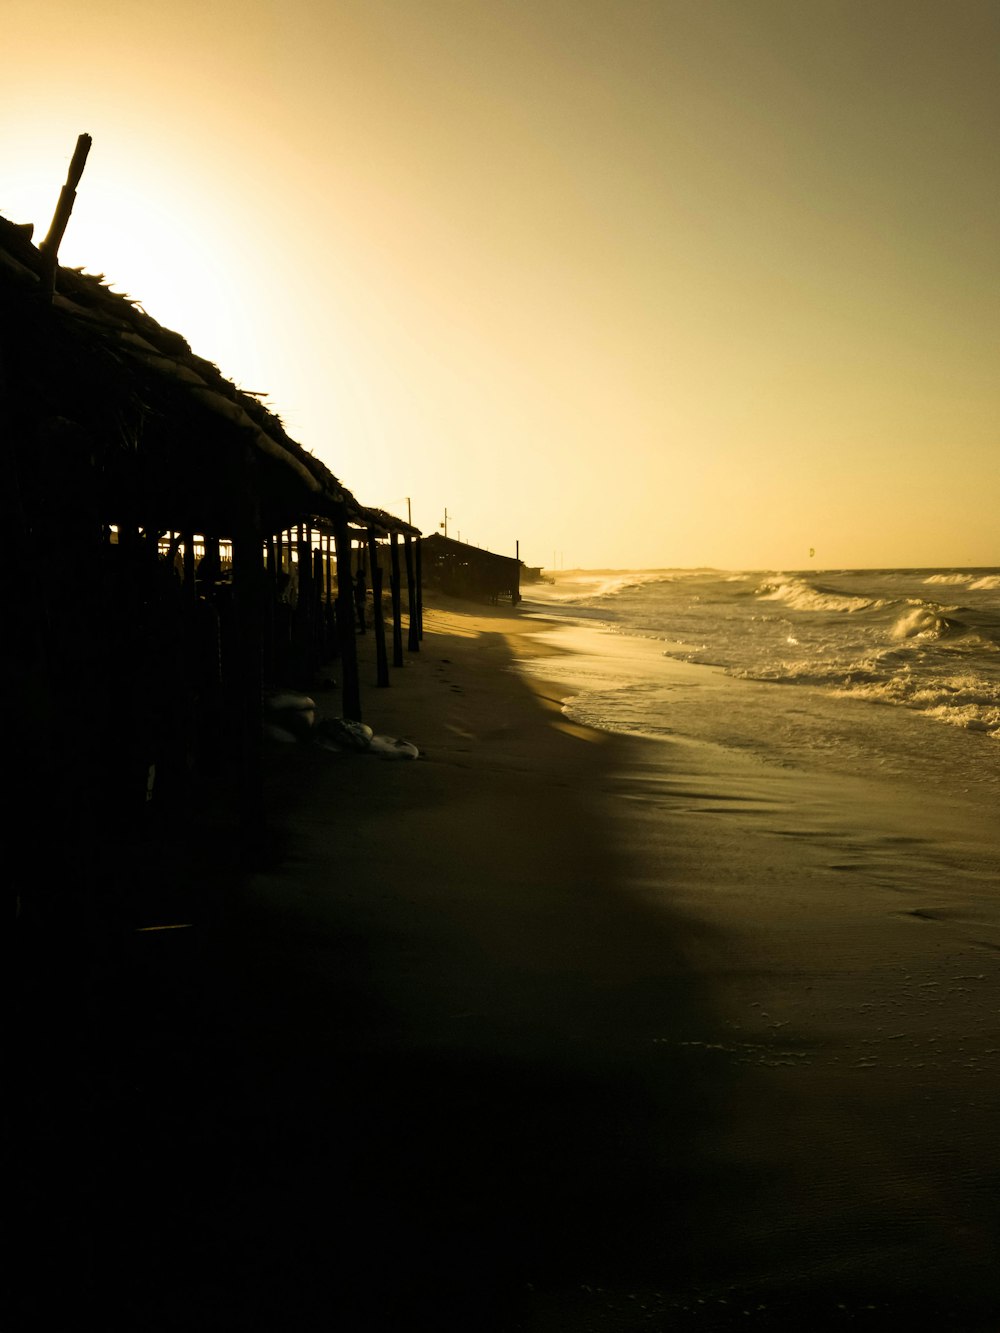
813,819
893,672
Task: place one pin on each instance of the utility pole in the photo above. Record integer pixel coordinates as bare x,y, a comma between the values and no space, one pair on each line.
445,523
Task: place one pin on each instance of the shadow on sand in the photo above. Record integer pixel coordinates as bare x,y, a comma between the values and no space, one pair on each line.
428,1072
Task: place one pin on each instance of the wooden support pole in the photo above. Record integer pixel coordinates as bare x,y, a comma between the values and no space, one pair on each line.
360,590
319,568
381,659
270,593
211,563
319,623
420,587
305,609
351,691
248,598
413,627
397,614
190,592
329,622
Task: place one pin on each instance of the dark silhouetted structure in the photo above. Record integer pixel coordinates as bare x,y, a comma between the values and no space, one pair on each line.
468,571
171,552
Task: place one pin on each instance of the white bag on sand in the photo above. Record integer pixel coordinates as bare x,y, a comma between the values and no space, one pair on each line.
388,747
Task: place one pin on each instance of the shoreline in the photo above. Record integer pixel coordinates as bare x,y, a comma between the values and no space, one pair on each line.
548,1030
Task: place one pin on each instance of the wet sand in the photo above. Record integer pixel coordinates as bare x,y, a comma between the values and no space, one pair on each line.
554,1030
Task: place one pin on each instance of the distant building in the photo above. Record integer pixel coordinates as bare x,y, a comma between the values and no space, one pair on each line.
468,571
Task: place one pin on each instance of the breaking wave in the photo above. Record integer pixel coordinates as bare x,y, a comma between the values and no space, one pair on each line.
805,596
965,701
925,621
968,579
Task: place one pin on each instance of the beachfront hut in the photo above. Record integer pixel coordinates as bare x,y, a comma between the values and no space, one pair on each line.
468,571
144,490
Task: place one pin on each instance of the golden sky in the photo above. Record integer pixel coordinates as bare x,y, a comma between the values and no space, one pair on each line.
635,282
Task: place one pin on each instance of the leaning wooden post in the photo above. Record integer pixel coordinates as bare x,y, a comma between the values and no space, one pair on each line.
381,660
345,622
397,613
413,635
49,248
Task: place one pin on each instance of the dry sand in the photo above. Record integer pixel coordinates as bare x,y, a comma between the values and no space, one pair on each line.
556,1030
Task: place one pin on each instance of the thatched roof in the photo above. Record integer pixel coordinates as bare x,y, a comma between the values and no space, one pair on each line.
173,435
382,523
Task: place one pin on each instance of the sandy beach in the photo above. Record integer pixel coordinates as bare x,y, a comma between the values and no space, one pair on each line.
551,1030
